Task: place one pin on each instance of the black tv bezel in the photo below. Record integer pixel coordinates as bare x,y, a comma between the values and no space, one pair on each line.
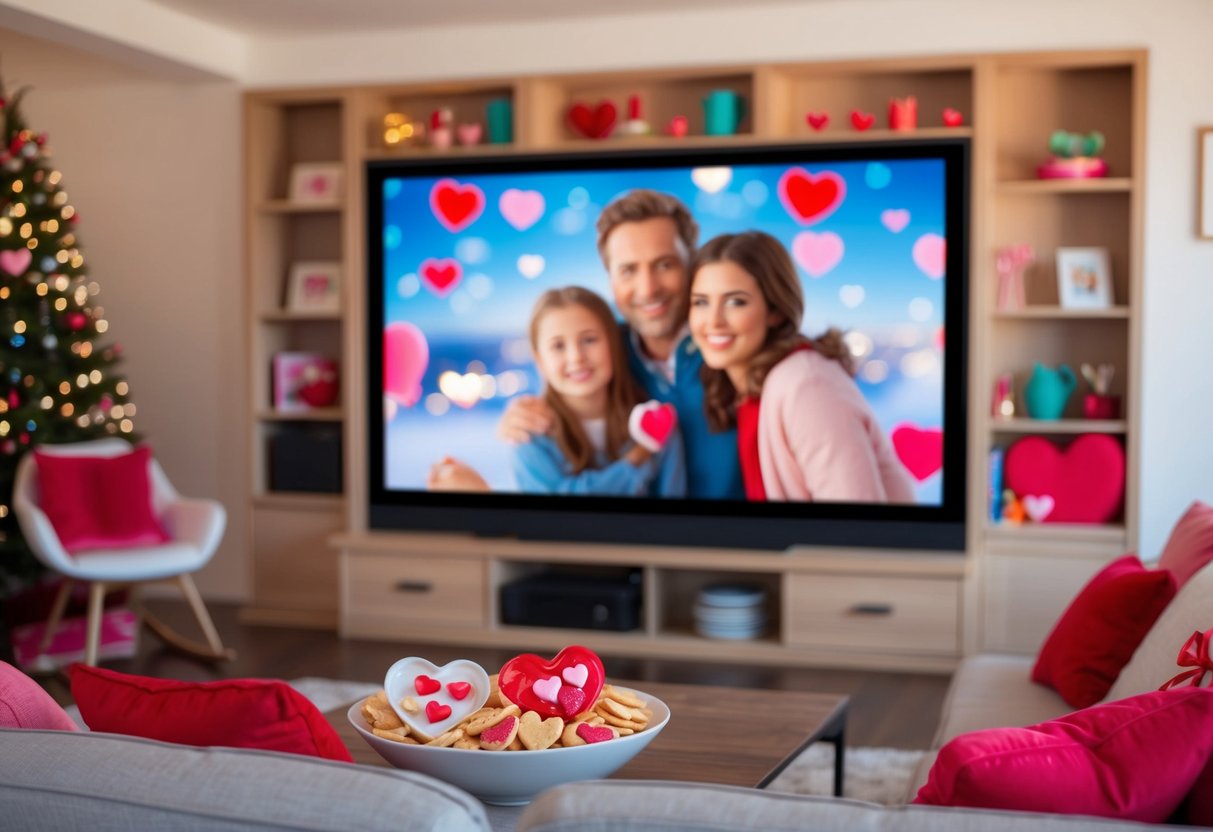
712,523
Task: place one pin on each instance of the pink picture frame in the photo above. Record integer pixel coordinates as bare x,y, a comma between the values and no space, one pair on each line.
315,182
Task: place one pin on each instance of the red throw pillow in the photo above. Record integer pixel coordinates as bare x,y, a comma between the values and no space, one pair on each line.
24,704
1190,545
1134,759
97,502
1097,634
238,713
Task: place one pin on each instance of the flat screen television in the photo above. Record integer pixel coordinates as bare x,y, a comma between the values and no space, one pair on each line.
460,248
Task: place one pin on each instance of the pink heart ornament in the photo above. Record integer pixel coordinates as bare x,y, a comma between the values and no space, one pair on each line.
895,219
817,253
547,689
521,209
576,675
469,134
401,682
929,255
15,261
1038,506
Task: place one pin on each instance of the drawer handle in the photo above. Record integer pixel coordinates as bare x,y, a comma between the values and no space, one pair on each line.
872,609
414,586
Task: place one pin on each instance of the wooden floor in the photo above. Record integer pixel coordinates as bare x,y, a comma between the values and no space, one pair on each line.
898,710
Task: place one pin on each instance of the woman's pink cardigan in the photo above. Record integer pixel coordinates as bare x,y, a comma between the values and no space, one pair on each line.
818,439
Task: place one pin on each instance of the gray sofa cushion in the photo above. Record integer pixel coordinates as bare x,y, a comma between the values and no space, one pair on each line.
94,782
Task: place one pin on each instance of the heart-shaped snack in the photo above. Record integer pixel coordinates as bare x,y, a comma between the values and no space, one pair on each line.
650,425
537,733
596,733
435,708
529,680
497,737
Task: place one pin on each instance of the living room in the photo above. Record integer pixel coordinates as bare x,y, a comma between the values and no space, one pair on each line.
146,105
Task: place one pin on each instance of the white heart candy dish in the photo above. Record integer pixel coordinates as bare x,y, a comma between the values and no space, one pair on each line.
432,699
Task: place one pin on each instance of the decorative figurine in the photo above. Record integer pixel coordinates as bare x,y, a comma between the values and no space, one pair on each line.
1074,156
1010,262
635,125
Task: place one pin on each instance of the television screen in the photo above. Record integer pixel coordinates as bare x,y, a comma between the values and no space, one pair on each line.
745,346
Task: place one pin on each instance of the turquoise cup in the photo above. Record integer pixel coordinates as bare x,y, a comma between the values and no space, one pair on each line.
499,116
723,111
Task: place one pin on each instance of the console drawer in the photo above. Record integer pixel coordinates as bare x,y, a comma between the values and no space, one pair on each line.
390,592
913,615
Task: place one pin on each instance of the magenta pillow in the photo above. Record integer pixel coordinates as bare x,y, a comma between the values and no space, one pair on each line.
1135,759
99,502
1097,634
237,713
24,704
1190,545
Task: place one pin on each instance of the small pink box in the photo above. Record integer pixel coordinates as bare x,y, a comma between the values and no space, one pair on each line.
119,640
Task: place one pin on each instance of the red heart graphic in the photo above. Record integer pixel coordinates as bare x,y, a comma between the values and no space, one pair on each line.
594,733
1086,479
659,421
425,685
593,124
921,451
442,276
817,121
810,198
519,675
861,120
456,206
459,690
952,118
499,733
435,712
571,700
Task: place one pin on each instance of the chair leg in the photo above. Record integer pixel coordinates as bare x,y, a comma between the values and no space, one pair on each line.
57,610
96,606
213,649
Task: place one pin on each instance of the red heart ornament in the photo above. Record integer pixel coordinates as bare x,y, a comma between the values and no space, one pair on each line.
677,127
435,711
920,451
519,675
593,124
1086,479
441,275
455,206
861,120
459,690
810,198
594,733
424,685
817,121
952,118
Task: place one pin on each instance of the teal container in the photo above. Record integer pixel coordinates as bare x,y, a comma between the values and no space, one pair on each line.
723,112
1047,391
499,116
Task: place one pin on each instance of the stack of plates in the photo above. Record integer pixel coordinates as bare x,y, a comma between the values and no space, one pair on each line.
731,611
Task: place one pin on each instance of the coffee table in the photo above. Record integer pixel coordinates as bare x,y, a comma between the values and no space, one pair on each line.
731,736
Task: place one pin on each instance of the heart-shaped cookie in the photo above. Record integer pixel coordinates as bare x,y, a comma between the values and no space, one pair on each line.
537,733
529,680
444,696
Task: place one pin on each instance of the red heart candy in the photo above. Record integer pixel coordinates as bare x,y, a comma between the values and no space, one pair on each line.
571,700
593,124
809,198
459,690
425,685
921,451
455,206
499,733
441,275
519,675
861,120
952,118
594,733
436,712
817,121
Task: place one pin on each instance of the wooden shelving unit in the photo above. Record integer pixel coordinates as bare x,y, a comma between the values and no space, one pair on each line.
1009,104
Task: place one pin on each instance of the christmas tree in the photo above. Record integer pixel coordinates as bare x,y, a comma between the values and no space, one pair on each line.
57,383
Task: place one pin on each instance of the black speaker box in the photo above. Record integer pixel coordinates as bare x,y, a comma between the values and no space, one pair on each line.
306,458
579,601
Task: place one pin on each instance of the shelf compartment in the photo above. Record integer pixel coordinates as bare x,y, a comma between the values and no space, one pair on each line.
285,239
286,132
467,101
678,589
592,597
1015,350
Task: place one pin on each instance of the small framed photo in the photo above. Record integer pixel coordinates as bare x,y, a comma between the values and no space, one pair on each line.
316,182
303,381
1084,278
314,287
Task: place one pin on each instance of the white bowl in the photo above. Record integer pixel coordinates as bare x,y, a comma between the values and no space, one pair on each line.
514,778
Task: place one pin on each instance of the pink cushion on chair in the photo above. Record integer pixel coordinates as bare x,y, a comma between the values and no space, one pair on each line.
99,502
23,704
1135,759
1190,545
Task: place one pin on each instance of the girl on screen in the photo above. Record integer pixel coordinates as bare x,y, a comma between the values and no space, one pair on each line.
580,356
804,431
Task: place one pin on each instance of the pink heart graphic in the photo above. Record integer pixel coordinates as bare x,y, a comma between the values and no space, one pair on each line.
406,354
895,219
817,253
547,689
929,251
920,451
810,198
576,675
15,261
571,700
456,206
441,275
1038,507
521,209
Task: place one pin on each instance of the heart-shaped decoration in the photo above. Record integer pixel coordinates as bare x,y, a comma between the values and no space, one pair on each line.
817,121
1038,506
920,451
817,253
593,124
929,253
469,134
677,127
548,689
851,295
519,676
862,121
571,700
459,690
595,733
531,266
521,209
895,219
576,675
497,737
952,117
410,676
1086,479
441,276
455,206
463,390
15,260
537,733
809,198
650,425
712,180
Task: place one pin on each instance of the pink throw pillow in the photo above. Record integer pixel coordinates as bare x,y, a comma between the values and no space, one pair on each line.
1190,545
1135,759
237,713
24,704
1097,634
99,502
